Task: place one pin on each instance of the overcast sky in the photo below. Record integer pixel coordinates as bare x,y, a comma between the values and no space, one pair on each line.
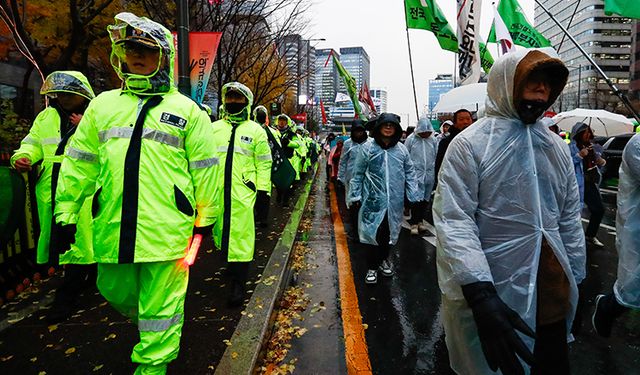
379,27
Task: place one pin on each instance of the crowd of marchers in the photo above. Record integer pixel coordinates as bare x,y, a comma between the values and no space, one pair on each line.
505,195
129,177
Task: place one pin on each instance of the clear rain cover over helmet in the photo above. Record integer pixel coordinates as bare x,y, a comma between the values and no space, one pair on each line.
147,33
244,91
67,81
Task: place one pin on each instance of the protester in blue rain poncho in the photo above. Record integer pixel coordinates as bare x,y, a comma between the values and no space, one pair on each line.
382,173
350,149
510,247
422,147
626,290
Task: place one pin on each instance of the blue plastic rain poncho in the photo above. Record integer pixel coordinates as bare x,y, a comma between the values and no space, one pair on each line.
627,287
423,155
578,162
381,176
502,188
350,150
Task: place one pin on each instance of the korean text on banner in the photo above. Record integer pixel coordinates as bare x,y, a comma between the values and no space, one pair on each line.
202,52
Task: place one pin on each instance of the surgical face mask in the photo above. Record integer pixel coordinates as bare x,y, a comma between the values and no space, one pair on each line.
531,110
234,108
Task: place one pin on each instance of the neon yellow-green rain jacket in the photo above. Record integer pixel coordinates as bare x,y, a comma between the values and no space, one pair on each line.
41,144
291,150
242,147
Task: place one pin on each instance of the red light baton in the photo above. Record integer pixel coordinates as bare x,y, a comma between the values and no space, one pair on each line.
193,250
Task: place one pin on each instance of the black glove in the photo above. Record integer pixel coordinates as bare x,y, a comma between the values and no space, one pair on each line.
262,201
66,237
203,231
355,205
285,142
497,324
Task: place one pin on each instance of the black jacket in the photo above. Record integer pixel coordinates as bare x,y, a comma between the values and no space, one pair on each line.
442,147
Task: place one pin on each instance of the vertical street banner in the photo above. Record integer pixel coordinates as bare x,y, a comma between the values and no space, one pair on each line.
469,67
350,84
203,47
521,31
426,15
324,113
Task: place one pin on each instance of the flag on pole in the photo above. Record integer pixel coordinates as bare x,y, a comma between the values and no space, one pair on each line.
426,15
468,46
502,33
324,113
521,31
350,84
365,97
625,8
486,60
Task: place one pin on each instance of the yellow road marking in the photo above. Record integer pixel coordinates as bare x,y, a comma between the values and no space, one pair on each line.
356,351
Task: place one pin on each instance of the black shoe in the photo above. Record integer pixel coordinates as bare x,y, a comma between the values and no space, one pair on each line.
58,313
605,314
237,294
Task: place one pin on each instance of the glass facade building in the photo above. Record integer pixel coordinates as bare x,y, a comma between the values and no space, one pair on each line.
439,86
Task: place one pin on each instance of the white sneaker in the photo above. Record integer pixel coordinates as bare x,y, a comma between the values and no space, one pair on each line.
422,227
594,241
414,229
386,269
372,277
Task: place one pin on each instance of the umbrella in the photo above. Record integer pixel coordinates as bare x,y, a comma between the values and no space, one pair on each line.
603,123
469,97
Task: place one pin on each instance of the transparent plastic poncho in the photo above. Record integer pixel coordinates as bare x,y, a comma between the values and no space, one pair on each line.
67,81
423,153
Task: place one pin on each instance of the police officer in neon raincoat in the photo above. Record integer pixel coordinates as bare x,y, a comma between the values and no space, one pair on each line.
261,116
510,246
245,157
423,148
626,290
147,150
69,94
290,143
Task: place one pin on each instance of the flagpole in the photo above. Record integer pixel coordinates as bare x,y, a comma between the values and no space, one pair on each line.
614,88
413,81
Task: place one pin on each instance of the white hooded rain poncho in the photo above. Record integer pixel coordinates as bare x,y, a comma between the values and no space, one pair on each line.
502,188
381,176
423,155
627,287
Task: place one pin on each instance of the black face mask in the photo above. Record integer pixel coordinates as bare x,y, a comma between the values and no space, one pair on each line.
531,110
234,108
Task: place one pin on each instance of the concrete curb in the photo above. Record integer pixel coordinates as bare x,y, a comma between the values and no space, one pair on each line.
242,354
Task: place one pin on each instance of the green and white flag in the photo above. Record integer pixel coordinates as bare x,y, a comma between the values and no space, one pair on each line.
625,8
350,84
522,33
486,60
426,15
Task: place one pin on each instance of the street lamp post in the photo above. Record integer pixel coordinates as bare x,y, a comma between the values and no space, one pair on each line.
184,83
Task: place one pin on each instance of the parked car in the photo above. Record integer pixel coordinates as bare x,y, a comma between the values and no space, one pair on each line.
612,153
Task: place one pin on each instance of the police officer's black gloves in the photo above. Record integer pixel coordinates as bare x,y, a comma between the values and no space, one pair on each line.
203,231
355,205
285,142
497,324
66,237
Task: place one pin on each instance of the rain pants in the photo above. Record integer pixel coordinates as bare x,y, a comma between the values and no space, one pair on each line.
150,158
380,176
245,157
41,144
627,286
502,188
423,155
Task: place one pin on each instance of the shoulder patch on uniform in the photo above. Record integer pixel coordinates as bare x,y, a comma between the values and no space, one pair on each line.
173,120
245,139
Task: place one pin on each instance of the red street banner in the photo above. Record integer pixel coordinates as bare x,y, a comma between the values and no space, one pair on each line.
324,114
202,52
301,117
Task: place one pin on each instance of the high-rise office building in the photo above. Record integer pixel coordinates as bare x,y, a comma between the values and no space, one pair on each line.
356,61
326,77
634,85
379,97
301,61
606,39
442,84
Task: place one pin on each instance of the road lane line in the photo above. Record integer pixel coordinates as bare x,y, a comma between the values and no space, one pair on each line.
356,350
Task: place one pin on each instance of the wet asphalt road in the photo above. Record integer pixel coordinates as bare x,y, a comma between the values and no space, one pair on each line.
405,335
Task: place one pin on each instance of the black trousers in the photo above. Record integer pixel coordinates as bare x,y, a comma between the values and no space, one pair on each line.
418,212
283,195
376,254
551,351
593,200
76,278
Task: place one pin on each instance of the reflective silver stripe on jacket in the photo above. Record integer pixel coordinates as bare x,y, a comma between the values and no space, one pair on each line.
31,141
150,134
158,325
203,163
237,149
81,155
264,157
50,141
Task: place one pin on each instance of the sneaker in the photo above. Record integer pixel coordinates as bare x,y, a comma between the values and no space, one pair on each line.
594,242
386,269
422,227
372,277
606,311
414,229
